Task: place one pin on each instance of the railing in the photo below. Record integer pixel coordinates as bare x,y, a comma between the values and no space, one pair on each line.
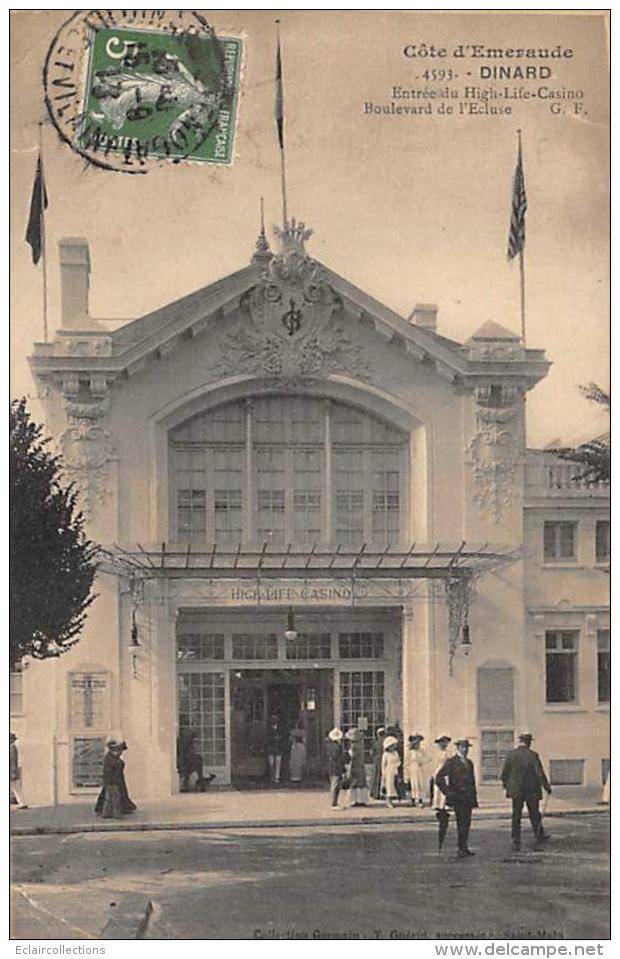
547,475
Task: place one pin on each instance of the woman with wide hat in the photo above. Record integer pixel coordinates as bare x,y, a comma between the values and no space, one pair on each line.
113,801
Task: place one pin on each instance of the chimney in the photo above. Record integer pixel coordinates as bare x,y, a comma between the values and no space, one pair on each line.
74,283
424,315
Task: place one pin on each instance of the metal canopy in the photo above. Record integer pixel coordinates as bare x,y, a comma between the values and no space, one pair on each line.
443,561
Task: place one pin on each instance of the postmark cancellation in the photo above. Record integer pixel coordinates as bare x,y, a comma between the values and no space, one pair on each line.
130,89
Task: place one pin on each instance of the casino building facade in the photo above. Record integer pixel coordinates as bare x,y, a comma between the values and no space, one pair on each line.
311,507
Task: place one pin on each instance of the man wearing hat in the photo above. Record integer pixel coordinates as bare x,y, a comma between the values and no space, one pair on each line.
524,778
14,773
335,763
457,781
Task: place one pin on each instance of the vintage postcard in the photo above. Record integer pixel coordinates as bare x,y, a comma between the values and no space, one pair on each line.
310,494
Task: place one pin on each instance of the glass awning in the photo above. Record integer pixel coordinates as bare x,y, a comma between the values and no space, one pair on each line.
439,561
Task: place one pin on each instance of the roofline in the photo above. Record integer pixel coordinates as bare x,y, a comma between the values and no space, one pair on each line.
189,315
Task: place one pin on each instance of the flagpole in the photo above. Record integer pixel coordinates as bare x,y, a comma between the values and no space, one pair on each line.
522,273
43,256
280,123
522,264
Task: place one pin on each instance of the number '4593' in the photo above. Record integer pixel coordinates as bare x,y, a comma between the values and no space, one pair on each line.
446,74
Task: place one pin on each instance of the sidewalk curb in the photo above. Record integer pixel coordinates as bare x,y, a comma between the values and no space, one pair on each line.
125,826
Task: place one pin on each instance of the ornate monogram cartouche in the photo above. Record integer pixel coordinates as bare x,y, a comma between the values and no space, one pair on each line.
288,334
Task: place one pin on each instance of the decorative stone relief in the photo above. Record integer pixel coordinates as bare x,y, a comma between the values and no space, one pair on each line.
87,448
494,452
83,345
288,334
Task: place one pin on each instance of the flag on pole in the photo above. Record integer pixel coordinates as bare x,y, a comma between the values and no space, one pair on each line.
279,110
38,204
516,235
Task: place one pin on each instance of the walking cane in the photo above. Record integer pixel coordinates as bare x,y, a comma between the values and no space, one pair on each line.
543,810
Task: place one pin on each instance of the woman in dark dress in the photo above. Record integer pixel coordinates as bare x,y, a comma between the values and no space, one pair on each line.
113,801
358,795
377,755
395,731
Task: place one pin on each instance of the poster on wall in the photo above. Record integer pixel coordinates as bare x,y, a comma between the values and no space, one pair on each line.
89,706
313,308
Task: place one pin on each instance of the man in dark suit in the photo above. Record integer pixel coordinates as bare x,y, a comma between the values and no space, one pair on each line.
457,781
334,754
524,778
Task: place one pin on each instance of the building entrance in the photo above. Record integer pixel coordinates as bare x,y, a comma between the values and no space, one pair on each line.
299,699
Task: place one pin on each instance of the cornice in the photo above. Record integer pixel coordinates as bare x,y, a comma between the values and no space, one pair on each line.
130,348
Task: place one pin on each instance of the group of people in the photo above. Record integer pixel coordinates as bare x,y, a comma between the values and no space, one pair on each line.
398,773
446,778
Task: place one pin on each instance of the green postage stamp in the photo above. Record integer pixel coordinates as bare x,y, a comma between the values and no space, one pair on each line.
144,91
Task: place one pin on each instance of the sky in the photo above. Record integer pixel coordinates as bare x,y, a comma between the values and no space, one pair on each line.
411,208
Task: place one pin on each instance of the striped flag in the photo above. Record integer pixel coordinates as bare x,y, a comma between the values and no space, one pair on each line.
279,110
516,235
35,230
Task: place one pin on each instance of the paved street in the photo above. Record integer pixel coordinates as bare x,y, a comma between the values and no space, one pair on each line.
326,881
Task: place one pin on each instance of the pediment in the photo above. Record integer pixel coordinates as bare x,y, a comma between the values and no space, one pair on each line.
299,315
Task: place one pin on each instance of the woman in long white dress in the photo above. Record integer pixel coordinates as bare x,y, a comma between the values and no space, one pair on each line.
297,755
415,761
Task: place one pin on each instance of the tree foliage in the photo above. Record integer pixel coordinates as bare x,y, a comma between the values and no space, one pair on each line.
595,455
52,563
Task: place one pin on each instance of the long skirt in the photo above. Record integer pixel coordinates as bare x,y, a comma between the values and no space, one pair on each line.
389,783
126,804
110,803
358,795
375,784
439,799
418,783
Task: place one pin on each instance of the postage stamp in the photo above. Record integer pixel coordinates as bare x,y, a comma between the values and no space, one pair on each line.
128,89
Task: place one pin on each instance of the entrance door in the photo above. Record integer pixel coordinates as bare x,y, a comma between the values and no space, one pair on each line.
284,701
299,698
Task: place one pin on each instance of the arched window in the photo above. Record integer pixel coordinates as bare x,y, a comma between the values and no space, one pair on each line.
291,469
